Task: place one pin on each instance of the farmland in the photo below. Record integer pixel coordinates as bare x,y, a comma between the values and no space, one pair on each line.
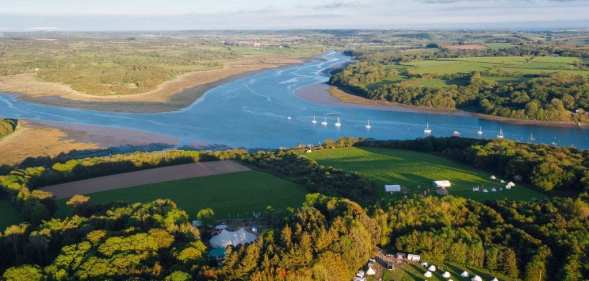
497,69
415,172
124,66
229,195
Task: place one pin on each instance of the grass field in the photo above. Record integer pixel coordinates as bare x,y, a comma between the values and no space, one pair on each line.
520,65
503,69
415,273
229,195
9,214
415,172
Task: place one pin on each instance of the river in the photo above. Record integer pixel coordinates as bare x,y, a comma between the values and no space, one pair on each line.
263,110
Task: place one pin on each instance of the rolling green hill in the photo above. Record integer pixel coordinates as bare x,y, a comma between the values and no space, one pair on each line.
415,172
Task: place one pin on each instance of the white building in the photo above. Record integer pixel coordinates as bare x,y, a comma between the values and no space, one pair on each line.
414,258
392,188
443,184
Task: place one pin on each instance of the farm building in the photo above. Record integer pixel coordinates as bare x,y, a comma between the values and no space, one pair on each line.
392,188
217,254
442,186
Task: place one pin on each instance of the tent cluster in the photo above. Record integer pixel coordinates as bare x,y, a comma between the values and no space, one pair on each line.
447,275
507,186
362,275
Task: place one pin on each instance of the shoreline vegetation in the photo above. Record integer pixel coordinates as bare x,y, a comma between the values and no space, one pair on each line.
168,96
518,84
7,127
345,97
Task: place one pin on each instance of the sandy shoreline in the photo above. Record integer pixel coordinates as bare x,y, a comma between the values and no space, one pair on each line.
33,139
168,96
345,98
324,94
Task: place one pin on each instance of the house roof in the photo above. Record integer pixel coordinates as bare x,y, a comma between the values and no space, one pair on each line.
392,187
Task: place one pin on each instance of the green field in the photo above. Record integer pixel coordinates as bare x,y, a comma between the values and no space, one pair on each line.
415,172
415,273
230,195
513,64
501,69
10,215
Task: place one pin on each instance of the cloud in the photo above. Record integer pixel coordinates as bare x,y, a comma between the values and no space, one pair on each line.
339,5
268,14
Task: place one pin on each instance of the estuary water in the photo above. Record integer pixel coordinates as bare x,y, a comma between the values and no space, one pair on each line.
263,110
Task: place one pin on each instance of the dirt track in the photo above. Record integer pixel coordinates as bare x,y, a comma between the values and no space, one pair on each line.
156,175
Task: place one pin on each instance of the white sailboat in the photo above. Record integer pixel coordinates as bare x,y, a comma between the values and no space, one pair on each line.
368,126
480,131
456,134
338,123
324,122
314,120
532,138
500,135
427,131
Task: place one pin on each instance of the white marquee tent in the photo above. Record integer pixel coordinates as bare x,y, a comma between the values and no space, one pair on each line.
233,238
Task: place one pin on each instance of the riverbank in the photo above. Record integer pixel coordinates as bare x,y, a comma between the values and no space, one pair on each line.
347,98
168,96
33,139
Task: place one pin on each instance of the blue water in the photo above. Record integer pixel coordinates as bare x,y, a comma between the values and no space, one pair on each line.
254,112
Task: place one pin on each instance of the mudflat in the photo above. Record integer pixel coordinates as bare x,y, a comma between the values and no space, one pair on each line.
37,140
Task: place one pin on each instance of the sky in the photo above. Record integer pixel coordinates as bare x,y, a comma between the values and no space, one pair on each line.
109,15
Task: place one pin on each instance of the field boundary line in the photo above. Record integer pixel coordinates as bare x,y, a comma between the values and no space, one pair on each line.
143,177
